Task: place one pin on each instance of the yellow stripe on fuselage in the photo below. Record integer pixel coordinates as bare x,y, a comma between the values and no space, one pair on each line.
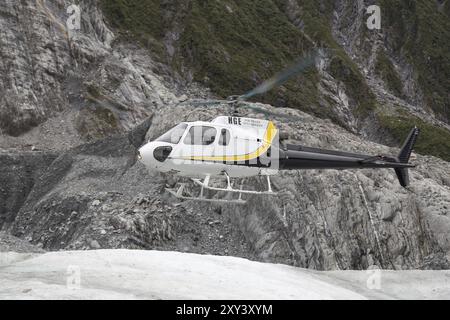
269,135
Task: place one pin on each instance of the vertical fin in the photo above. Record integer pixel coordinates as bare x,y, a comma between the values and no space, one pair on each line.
404,155
406,150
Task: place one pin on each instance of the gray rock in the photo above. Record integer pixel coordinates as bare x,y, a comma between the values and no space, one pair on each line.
9,243
19,171
96,203
94,244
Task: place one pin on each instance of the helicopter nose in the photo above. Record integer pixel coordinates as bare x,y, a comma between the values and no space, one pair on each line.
154,155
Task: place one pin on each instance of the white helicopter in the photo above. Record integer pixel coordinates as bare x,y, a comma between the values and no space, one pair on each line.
239,147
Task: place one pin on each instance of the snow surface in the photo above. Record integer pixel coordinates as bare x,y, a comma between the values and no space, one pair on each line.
135,274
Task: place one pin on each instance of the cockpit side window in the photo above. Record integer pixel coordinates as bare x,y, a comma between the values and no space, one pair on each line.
201,135
225,137
173,135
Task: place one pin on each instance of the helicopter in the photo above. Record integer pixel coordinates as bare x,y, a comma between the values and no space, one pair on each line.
232,146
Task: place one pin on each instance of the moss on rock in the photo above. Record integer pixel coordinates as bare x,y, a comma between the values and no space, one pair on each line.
419,30
96,122
432,140
355,84
385,69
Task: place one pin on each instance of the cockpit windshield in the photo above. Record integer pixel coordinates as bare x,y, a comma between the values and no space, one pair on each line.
173,135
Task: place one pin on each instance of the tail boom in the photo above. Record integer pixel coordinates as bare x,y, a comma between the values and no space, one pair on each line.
300,157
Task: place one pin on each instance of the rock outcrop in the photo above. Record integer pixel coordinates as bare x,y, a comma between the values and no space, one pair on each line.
98,87
98,196
19,173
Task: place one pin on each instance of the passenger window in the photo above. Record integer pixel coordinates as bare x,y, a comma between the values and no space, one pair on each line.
200,135
225,137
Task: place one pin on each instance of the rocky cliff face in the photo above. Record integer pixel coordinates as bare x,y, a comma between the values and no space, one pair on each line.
74,96
98,196
96,87
132,57
20,171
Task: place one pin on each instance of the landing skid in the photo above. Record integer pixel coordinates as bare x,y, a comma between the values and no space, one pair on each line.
178,193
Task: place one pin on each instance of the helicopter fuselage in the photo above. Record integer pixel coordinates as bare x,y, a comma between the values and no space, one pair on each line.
238,147
244,147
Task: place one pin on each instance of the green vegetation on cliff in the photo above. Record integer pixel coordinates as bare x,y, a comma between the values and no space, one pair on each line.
355,84
432,140
316,17
140,19
385,69
231,46
419,30
234,45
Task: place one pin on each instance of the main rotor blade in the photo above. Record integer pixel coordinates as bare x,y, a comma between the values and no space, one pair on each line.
205,102
286,117
282,76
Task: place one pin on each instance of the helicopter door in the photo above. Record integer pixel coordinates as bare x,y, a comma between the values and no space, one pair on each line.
224,146
199,142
